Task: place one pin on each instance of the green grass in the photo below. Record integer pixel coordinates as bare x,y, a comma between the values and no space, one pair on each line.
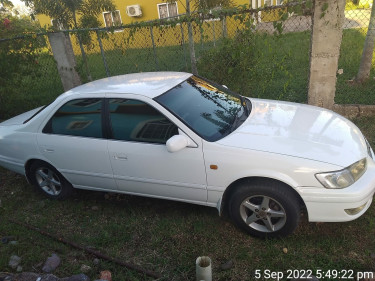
351,52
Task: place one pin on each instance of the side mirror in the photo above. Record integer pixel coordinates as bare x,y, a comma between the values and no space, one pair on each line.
177,143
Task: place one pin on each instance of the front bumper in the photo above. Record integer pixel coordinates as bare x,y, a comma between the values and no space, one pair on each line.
329,205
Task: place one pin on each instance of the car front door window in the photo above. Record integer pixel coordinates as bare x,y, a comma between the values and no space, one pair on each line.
133,120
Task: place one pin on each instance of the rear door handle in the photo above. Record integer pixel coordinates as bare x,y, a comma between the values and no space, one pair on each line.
120,157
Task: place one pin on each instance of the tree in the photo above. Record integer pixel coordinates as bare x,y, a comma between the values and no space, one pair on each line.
76,14
200,5
72,13
5,6
18,57
368,49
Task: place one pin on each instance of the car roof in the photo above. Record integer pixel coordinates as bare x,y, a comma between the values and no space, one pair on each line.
150,84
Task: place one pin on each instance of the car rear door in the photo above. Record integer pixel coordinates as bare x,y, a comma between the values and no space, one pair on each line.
74,142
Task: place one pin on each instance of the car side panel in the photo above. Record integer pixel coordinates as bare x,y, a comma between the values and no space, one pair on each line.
234,163
16,145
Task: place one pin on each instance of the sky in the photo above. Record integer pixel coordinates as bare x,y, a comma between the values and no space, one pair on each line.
20,6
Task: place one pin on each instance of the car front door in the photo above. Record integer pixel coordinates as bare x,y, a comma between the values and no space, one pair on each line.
73,142
140,161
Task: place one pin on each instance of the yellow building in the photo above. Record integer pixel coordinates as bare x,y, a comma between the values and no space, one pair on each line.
128,11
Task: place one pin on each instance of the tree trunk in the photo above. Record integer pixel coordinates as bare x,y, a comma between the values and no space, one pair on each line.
368,49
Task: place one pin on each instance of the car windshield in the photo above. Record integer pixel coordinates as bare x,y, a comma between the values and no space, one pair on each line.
210,110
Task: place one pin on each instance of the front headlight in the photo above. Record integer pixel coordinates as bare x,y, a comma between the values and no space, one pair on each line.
343,178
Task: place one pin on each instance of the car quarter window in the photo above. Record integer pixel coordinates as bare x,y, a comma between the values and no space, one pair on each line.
80,117
134,120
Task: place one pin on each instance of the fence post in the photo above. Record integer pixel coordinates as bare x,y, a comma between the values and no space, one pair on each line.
154,49
193,60
224,23
213,32
183,45
84,58
64,56
201,33
327,22
102,52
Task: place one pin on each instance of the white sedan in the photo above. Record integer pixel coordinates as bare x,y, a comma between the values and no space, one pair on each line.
176,136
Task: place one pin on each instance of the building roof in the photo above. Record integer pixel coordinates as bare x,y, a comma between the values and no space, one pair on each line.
150,84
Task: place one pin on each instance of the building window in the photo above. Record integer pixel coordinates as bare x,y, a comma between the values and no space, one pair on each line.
267,3
167,10
57,24
112,18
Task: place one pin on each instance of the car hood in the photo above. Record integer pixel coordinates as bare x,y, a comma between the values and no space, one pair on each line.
299,130
20,119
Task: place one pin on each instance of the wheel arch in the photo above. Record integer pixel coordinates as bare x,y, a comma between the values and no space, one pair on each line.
28,164
223,203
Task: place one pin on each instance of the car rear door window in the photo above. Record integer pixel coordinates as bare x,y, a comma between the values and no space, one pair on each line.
81,117
134,120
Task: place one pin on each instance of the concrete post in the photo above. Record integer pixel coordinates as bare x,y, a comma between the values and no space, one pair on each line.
193,60
63,53
327,22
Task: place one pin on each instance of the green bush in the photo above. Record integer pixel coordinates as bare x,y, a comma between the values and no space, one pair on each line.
18,57
250,64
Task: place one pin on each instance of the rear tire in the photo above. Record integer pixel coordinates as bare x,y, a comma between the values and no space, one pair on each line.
49,181
265,209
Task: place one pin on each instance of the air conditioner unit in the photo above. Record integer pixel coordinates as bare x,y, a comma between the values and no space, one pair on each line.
134,11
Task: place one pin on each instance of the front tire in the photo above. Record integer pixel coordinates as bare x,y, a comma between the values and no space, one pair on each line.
49,181
265,209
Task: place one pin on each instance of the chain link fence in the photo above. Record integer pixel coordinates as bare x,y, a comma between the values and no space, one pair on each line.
259,53
29,76
354,34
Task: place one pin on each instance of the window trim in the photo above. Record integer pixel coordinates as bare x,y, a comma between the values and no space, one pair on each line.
110,12
167,4
35,114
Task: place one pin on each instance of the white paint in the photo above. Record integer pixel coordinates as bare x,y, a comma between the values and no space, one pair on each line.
284,141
